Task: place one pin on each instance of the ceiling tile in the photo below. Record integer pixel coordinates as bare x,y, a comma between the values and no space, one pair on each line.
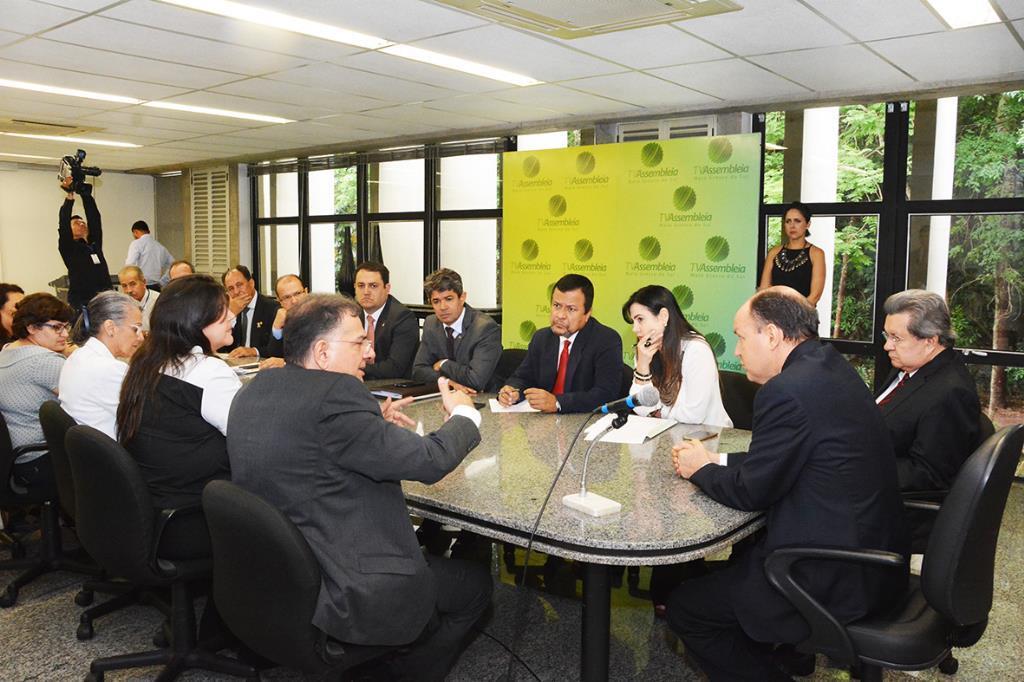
389,127
304,133
387,64
139,116
651,46
418,113
81,5
980,52
6,37
875,19
361,83
641,90
299,95
1013,9
518,52
25,16
247,105
822,69
47,108
119,36
395,20
84,59
487,107
765,26
564,100
84,81
731,79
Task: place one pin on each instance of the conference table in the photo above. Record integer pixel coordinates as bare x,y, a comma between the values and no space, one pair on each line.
498,489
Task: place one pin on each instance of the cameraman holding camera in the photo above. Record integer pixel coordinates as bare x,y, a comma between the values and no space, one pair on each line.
80,243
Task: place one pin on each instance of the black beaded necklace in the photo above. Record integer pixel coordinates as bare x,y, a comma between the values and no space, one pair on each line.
787,263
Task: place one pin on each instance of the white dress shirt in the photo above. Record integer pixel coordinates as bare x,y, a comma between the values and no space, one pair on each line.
90,386
218,381
699,400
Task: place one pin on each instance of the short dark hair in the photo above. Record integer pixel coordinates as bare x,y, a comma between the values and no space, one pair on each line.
78,217
442,279
141,226
242,270
191,267
372,266
8,289
36,309
313,318
787,310
573,282
801,208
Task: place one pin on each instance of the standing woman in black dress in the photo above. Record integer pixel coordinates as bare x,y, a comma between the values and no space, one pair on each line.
796,262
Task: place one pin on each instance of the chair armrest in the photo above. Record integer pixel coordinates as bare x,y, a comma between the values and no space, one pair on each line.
936,496
164,519
18,452
827,634
922,505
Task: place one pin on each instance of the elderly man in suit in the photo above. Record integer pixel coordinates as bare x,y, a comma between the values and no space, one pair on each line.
458,342
574,365
823,471
254,314
391,326
311,440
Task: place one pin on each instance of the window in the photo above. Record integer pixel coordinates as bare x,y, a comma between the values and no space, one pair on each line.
279,254
470,247
332,256
333,191
396,186
469,182
401,244
278,195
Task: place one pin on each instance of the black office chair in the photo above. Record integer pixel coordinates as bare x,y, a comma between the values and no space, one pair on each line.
738,398
948,605
266,581
508,363
118,527
51,553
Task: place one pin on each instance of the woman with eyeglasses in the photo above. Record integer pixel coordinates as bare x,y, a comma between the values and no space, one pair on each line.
29,375
109,329
175,398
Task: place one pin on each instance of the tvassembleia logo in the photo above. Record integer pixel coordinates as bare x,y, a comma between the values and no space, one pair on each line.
585,165
531,169
716,250
649,249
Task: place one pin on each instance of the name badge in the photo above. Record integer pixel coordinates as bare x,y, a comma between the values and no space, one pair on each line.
95,259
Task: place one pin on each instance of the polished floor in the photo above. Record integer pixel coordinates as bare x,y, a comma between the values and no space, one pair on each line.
37,636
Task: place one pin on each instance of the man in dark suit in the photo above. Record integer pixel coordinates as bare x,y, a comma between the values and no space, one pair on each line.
573,366
391,326
290,291
254,314
824,473
458,342
311,440
930,404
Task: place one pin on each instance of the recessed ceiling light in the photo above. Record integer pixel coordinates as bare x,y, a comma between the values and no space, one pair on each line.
69,92
29,156
964,13
217,112
266,17
170,174
82,140
457,64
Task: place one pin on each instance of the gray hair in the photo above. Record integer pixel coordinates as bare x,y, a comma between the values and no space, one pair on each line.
928,313
106,305
313,318
786,309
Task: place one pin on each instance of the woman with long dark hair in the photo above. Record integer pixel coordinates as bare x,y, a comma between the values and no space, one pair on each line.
173,412
796,262
675,358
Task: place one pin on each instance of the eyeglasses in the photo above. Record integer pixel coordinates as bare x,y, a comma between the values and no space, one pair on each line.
367,344
896,340
292,297
57,327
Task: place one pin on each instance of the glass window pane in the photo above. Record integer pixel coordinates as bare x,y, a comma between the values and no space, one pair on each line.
401,245
277,195
396,186
465,245
966,147
469,182
865,366
1001,390
846,307
974,261
279,254
332,265
556,140
332,192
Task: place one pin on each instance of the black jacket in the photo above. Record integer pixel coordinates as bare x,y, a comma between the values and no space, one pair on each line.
260,332
395,339
87,275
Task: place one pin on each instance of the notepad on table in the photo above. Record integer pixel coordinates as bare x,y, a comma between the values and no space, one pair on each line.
636,430
523,406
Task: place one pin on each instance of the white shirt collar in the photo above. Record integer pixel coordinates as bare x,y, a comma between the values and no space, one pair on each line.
252,304
98,347
457,324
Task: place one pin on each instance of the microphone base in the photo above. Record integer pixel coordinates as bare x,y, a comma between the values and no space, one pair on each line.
592,504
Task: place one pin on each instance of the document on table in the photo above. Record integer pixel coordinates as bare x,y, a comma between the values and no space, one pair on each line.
637,429
523,406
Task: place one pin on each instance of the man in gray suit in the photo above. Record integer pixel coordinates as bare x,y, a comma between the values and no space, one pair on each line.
311,440
458,342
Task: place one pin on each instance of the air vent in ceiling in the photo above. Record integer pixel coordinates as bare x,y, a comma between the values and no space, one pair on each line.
575,19
27,127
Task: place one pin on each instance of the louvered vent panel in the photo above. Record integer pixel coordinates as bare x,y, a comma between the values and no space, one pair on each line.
211,236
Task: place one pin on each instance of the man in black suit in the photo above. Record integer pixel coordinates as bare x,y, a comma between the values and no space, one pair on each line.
311,440
290,291
573,366
458,342
254,314
391,326
823,471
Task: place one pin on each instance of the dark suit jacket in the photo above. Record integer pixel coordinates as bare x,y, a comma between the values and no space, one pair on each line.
395,338
824,472
594,374
314,445
477,351
934,422
262,322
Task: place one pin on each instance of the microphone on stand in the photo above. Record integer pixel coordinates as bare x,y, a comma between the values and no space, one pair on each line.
592,503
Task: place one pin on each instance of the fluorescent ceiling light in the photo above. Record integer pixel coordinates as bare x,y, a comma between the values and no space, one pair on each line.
266,17
217,112
69,92
170,174
29,156
83,140
457,64
964,13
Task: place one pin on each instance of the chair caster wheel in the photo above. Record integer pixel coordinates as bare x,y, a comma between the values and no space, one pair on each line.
84,597
84,631
8,598
949,665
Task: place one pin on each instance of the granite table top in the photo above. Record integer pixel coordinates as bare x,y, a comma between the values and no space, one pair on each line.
498,490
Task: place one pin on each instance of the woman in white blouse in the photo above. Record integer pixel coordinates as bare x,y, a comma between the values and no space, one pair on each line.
673,356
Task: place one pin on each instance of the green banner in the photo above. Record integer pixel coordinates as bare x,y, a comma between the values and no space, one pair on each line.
680,213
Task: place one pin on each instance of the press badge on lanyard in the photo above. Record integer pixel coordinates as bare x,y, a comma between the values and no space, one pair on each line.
95,259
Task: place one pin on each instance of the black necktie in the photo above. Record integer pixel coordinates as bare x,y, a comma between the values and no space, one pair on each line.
243,323
451,342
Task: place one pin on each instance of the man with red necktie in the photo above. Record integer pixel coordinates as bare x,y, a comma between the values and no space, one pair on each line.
574,365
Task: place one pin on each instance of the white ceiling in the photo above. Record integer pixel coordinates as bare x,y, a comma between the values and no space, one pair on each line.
770,53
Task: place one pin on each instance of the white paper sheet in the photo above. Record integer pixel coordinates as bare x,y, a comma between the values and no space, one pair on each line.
518,407
637,429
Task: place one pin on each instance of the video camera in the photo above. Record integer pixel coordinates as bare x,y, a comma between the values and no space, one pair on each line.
71,167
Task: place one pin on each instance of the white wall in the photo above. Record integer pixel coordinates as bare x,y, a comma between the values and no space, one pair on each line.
29,203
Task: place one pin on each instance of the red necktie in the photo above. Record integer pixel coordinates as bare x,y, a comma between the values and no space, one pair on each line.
888,397
563,363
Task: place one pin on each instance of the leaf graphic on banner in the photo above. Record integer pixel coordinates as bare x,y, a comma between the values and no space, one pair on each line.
557,205
683,295
651,154
531,166
529,249
716,342
716,249
584,250
585,163
719,149
526,330
684,198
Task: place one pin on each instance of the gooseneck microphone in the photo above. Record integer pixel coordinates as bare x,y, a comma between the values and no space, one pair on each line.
646,397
